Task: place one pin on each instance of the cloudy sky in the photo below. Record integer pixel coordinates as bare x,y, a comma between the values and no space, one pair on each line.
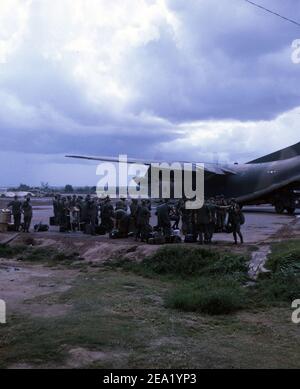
201,80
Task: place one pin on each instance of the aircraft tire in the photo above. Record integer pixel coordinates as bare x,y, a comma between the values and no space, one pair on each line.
291,211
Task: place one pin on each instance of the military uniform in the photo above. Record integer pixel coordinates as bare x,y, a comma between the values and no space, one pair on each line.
121,204
63,215
27,212
143,226
107,212
212,223
163,218
236,219
16,207
123,221
56,209
92,215
203,220
221,214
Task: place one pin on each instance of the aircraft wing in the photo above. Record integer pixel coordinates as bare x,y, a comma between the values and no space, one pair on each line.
211,168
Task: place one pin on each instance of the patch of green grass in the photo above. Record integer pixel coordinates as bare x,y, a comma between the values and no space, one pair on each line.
212,296
48,255
285,257
206,281
282,283
183,262
11,251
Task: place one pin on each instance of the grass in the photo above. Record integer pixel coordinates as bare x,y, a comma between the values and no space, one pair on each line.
30,253
180,262
123,316
213,282
211,296
205,281
203,318
282,283
11,251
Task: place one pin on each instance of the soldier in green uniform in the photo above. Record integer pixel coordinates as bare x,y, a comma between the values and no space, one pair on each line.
221,214
143,226
212,223
203,220
63,215
55,203
236,218
27,212
123,221
92,215
163,218
187,220
121,204
16,207
134,205
107,213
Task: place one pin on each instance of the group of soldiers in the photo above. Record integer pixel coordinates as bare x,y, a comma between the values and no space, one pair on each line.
100,216
120,219
216,215
19,208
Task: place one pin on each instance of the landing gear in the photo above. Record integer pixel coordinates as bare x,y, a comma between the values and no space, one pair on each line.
285,203
291,211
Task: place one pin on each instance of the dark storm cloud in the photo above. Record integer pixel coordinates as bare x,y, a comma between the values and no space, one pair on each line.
216,61
222,66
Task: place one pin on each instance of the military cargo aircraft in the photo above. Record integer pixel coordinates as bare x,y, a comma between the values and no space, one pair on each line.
272,179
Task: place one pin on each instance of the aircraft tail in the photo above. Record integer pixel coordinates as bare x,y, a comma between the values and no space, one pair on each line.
288,152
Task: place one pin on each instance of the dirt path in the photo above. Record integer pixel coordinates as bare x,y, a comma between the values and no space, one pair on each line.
21,282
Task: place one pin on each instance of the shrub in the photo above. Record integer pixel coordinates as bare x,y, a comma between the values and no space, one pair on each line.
283,282
11,251
213,297
183,262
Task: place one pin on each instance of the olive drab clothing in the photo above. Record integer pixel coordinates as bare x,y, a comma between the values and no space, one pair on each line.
202,222
121,204
107,213
63,215
16,208
133,215
92,215
212,222
163,218
221,213
236,219
187,221
143,226
122,222
55,204
27,212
